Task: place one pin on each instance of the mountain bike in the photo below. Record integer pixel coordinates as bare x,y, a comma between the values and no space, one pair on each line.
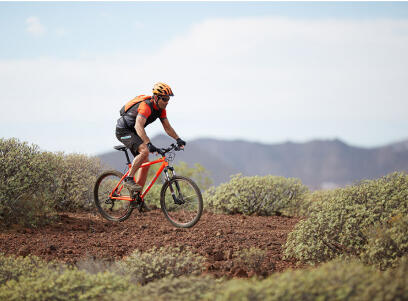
180,198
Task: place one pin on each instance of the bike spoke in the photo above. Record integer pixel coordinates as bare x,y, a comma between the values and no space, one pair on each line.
186,210
111,209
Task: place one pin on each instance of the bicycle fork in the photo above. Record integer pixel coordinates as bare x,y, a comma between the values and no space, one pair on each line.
179,200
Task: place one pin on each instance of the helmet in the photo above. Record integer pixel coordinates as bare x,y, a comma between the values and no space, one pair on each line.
162,89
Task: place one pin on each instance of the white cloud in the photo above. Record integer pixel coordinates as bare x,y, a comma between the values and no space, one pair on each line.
34,26
234,77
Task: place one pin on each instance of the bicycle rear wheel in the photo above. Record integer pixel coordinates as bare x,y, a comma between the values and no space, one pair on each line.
181,202
111,209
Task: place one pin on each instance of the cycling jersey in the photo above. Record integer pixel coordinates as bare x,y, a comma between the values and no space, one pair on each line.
147,109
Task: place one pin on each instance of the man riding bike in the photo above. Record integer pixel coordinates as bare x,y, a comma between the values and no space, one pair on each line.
135,116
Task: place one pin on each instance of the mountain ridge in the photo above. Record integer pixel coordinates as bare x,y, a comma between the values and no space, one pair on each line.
318,163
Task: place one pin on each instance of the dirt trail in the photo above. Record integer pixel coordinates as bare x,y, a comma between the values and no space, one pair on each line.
216,236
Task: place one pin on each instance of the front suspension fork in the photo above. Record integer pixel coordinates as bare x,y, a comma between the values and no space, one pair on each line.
173,194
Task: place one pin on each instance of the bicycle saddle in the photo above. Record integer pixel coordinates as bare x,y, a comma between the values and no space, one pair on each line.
120,147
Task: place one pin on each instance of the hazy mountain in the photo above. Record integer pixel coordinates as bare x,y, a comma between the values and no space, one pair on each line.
318,163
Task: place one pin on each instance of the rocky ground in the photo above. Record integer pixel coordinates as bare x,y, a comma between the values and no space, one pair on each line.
218,237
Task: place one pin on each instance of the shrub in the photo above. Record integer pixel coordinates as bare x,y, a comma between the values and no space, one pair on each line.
160,263
336,280
387,242
312,201
178,289
94,265
268,195
69,284
27,183
339,226
34,184
76,178
11,268
251,259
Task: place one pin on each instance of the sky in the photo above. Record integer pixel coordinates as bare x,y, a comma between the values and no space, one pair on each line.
266,72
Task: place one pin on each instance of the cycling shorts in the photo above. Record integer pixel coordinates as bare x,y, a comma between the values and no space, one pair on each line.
130,139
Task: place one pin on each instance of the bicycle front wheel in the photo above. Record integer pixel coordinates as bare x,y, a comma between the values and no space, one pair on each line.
111,209
181,202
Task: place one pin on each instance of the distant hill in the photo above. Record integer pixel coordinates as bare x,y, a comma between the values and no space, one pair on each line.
318,163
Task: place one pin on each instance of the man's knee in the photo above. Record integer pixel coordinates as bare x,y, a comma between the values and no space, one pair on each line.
144,151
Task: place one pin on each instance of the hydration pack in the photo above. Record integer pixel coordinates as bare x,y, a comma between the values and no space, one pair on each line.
133,102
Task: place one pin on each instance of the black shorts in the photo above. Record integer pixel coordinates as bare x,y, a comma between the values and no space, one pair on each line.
130,139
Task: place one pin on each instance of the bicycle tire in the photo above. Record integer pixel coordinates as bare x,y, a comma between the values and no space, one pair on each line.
99,202
166,202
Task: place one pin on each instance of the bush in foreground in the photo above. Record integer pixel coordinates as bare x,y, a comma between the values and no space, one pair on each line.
11,268
70,284
32,279
268,195
160,263
337,280
340,225
185,288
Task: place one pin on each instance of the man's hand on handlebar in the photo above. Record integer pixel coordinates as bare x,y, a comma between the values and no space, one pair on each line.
152,148
180,143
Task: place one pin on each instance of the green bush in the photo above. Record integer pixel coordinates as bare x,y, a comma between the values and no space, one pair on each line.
312,201
336,280
339,226
69,284
76,179
35,184
27,183
160,263
11,268
251,259
167,289
268,195
197,173
387,242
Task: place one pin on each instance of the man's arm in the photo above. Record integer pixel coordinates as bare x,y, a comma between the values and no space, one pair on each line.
168,129
139,127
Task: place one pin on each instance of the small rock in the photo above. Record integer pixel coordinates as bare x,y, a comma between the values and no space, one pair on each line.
23,251
218,255
240,273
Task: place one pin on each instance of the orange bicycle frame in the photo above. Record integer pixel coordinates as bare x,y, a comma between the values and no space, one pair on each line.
128,198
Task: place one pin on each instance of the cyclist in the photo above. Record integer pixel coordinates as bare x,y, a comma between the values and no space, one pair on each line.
135,116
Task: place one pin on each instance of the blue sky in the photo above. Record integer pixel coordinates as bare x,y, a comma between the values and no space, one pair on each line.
259,71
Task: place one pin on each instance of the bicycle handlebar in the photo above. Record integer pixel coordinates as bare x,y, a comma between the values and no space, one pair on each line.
164,151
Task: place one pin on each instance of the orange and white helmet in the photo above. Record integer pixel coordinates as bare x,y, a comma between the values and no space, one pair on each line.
162,89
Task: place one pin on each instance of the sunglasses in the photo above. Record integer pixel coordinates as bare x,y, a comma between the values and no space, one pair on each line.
165,98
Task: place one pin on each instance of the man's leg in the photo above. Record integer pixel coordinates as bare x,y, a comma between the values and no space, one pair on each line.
143,156
142,174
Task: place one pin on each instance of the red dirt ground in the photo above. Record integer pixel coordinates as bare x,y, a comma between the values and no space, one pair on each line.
216,236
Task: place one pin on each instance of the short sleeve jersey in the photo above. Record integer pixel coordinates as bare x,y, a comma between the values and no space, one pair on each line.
145,111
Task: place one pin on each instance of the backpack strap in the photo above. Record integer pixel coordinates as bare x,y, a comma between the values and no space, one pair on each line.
131,103
151,105
137,100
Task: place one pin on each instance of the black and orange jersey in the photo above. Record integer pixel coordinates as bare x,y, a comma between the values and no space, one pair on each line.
147,109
